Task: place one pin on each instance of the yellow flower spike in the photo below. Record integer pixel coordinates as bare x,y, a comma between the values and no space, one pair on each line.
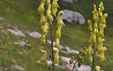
58,32
102,57
56,58
97,68
42,20
103,19
59,21
41,7
43,57
89,50
100,12
90,26
57,42
100,45
42,38
101,32
95,10
48,12
54,7
90,58
45,28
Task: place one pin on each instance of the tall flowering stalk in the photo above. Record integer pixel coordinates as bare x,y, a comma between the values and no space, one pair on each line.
96,29
47,27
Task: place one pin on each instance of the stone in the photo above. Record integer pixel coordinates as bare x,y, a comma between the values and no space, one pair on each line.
72,17
22,44
35,34
1,18
71,50
16,32
84,68
70,1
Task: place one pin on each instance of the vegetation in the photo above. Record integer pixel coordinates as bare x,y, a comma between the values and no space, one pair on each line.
24,15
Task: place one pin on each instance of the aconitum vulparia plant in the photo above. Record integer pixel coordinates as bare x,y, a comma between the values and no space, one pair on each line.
46,26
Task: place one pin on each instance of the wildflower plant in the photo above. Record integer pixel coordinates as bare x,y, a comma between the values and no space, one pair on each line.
96,29
46,26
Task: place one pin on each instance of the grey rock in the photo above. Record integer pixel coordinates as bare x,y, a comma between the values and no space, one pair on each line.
35,35
70,1
72,17
1,18
22,44
16,32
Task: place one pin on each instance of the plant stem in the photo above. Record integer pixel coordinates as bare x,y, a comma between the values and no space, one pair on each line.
94,57
51,35
75,64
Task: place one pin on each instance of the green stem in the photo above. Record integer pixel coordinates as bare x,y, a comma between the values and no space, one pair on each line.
75,64
93,63
51,35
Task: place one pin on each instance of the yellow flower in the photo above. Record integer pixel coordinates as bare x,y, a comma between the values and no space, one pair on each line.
56,59
101,6
45,28
99,46
58,33
57,42
102,57
103,19
101,32
89,50
95,10
42,20
42,38
48,12
97,68
43,57
100,12
59,21
54,7
94,36
90,26
41,7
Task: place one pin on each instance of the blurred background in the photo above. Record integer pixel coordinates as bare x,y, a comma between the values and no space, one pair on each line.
21,16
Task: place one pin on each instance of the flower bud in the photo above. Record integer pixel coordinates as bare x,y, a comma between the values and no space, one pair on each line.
90,26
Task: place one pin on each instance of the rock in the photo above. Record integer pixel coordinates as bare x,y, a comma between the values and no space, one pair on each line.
71,51
72,17
16,32
48,62
70,1
22,44
35,35
84,68
1,18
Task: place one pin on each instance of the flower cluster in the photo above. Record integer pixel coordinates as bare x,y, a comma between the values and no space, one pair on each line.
43,20
56,59
96,28
54,7
60,23
45,26
43,57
